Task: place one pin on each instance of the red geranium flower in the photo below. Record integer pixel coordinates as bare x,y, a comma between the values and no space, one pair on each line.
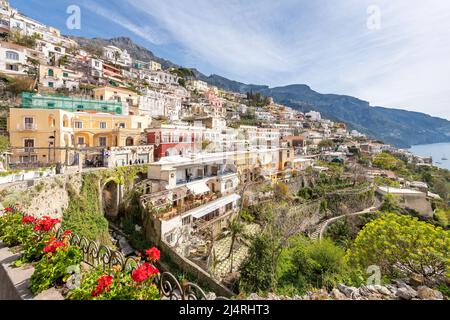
153,254
27,219
143,272
8,209
53,245
103,285
46,224
67,233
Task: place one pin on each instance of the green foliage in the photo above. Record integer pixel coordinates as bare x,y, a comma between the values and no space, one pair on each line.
326,144
307,264
257,99
23,40
384,181
344,231
20,84
305,193
122,288
390,203
53,268
401,245
387,161
247,215
33,247
4,143
442,217
12,231
183,72
256,270
281,191
83,215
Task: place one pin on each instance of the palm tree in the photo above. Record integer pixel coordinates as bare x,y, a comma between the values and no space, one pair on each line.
33,70
116,57
237,229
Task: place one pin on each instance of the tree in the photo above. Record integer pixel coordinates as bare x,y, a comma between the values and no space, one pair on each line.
64,60
281,191
307,264
18,85
256,270
326,144
386,161
4,143
237,230
116,57
401,245
33,66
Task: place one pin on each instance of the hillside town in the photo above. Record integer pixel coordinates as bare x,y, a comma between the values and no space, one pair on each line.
210,156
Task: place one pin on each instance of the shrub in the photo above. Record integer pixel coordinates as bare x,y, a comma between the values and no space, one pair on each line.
401,245
121,285
52,269
307,264
256,270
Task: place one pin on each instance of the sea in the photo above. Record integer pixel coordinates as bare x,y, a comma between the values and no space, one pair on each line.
438,151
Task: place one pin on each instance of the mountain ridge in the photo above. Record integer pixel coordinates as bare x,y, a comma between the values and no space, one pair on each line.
399,127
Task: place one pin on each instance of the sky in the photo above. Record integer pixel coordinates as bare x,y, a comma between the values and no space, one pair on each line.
390,53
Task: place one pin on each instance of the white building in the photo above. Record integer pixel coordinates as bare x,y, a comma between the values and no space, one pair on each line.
313,116
157,103
117,56
197,85
13,58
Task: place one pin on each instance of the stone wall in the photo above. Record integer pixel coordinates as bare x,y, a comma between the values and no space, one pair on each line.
46,196
14,282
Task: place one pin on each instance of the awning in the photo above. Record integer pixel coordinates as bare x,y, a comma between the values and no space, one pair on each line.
198,188
212,206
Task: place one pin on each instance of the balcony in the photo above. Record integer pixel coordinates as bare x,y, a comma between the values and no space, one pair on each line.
28,127
167,212
205,177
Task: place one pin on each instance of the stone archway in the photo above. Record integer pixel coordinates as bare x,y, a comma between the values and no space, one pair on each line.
110,199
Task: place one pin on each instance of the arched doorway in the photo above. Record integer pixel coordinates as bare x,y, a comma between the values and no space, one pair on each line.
129,142
110,199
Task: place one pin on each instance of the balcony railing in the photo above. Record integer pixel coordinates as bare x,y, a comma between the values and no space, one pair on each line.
207,176
188,205
29,126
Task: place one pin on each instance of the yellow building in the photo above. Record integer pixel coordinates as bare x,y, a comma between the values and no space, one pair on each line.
52,135
117,94
59,78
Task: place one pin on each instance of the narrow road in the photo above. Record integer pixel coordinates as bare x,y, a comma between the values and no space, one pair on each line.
318,234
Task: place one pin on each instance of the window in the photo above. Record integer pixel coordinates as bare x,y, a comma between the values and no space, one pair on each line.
65,75
11,55
12,67
102,125
29,123
80,140
51,85
102,141
29,145
169,238
97,64
139,125
51,73
186,221
122,125
78,124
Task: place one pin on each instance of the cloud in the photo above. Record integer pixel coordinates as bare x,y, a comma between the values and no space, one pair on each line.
143,31
325,44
